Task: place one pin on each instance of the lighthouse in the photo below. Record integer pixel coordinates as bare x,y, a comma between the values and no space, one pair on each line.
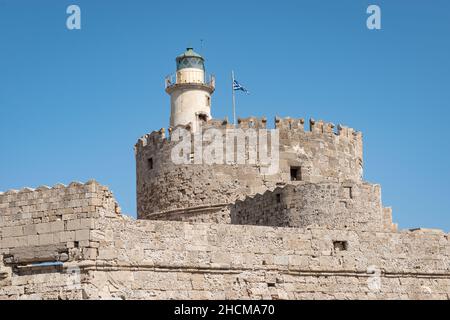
190,91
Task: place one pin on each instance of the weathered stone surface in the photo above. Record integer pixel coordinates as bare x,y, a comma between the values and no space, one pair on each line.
315,230
166,191
123,258
347,205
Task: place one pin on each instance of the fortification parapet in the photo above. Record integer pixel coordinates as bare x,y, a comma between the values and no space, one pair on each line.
288,123
221,124
346,205
295,125
52,225
252,123
324,152
321,127
155,137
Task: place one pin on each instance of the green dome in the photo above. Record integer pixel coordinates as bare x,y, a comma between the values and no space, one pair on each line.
190,59
189,53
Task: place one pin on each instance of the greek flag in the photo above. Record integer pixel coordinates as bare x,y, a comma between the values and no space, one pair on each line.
238,87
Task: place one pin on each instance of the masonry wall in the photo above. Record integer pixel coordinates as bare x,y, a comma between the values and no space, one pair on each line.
324,152
45,233
191,192
124,258
172,260
346,205
194,192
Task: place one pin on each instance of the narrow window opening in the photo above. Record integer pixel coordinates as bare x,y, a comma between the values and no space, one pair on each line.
340,245
203,117
296,174
150,163
278,198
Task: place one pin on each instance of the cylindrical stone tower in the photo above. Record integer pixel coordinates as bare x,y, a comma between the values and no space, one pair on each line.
190,91
198,191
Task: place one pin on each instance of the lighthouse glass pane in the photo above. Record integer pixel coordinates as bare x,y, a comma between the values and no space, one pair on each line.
190,63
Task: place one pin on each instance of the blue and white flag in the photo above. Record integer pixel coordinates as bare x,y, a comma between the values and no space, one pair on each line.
238,87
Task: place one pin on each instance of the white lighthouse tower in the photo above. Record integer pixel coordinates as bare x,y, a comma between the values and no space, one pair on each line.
190,91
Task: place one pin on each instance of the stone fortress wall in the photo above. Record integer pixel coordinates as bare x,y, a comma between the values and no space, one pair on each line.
46,231
199,192
347,205
72,243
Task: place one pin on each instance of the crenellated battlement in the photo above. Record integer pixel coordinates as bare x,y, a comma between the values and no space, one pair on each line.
291,125
321,127
252,123
158,139
75,194
221,124
285,125
27,199
46,191
154,138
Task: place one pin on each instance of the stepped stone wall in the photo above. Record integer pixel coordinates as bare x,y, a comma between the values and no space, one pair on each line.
112,256
346,205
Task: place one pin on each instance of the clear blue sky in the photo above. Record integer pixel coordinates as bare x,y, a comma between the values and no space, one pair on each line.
73,103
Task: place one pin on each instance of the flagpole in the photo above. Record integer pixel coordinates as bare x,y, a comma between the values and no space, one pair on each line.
234,98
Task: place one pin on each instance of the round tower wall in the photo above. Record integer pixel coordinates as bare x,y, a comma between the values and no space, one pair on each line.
200,192
187,104
187,192
321,152
346,205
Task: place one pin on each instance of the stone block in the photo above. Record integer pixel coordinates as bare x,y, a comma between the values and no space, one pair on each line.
87,223
67,236
107,254
89,253
30,229
73,224
281,260
43,228
15,231
45,239
33,239
82,235
57,226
